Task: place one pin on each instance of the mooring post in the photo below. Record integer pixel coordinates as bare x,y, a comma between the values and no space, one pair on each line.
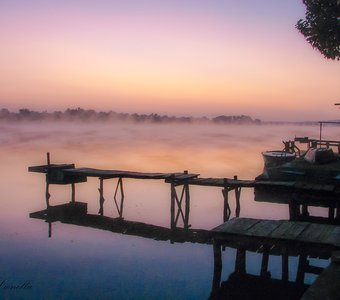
237,197
187,204
226,207
101,196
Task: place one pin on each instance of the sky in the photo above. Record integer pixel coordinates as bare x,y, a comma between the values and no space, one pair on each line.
175,57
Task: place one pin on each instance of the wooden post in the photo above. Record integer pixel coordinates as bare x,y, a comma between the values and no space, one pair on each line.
226,207
264,263
187,204
300,276
217,267
285,263
237,197
240,263
101,196
337,216
293,210
305,212
331,213
48,158
73,193
172,206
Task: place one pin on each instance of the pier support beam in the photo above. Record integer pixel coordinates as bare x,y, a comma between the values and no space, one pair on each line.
73,197
101,196
217,268
176,205
237,199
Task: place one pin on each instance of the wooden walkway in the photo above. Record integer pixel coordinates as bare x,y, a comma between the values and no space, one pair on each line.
68,174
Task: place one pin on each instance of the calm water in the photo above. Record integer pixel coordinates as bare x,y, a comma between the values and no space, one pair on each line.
85,263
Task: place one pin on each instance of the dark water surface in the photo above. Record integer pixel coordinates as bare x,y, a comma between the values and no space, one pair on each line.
86,263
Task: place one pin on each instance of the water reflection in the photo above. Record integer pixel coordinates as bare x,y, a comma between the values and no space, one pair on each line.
240,284
303,204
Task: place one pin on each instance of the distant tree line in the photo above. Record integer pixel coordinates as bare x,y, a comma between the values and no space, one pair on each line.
90,115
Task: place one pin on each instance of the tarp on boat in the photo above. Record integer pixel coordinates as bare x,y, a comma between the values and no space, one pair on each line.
319,155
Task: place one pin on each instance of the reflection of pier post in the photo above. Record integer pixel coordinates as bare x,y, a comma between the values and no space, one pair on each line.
118,196
217,267
101,196
47,193
176,205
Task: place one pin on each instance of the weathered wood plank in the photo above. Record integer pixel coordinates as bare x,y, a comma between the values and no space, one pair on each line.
264,228
289,230
316,233
334,237
90,172
47,168
237,226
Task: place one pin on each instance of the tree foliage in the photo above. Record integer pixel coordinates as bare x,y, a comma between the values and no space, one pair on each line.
321,26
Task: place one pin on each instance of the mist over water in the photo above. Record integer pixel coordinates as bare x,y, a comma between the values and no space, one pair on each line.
73,254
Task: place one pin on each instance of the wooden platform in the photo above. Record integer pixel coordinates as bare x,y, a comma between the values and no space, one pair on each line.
270,230
69,169
221,182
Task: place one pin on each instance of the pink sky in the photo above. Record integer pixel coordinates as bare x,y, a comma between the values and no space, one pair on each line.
170,57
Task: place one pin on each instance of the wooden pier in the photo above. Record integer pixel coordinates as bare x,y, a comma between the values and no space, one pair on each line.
267,237
68,174
274,237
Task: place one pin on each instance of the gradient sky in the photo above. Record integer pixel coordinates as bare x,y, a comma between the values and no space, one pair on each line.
184,57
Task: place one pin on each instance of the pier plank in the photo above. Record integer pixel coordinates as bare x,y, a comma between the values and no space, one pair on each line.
274,230
334,237
106,174
264,228
237,225
317,233
289,230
